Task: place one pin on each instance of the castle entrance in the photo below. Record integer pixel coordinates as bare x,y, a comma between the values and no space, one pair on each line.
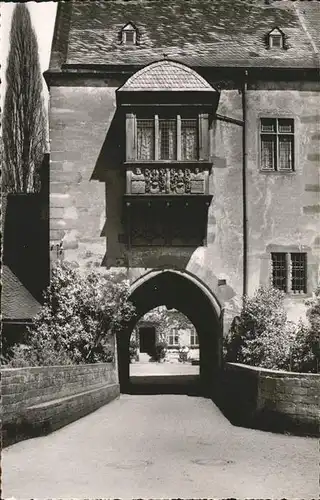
186,293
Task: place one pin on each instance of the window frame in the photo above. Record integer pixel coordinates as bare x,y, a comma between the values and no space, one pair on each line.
288,275
194,335
276,134
130,29
272,38
278,34
175,336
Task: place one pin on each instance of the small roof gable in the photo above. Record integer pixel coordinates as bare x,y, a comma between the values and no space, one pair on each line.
129,27
165,76
276,31
16,301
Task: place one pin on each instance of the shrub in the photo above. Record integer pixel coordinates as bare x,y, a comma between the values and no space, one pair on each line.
304,356
160,351
133,350
78,320
308,338
25,355
262,336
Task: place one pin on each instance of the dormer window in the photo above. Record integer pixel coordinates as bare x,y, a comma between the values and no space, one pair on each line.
129,35
276,39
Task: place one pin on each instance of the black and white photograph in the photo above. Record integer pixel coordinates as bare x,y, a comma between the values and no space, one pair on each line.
160,249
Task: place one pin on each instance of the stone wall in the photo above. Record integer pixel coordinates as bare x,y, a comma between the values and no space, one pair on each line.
87,133
271,400
37,400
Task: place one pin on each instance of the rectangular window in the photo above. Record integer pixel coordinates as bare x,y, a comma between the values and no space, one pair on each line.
173,338
276,41
289,272
145,139
194,340
160,138
167,140
189,139
129,37
298,273
277,144
279,271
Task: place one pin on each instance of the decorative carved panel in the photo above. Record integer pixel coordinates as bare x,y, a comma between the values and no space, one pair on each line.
155,180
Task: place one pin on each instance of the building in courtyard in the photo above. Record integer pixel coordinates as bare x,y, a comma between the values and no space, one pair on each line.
185,149
169,327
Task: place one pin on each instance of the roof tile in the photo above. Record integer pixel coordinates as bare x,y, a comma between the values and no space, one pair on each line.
16,301
166,75
193,32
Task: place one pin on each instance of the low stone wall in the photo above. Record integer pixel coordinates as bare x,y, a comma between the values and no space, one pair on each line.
37,400
272,400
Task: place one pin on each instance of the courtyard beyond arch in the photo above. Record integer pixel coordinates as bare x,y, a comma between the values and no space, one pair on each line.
183,291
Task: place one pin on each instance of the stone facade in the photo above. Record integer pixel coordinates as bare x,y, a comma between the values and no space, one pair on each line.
282,208
89,177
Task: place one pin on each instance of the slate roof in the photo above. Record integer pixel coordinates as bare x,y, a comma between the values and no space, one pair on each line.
17,303
166,75
216,33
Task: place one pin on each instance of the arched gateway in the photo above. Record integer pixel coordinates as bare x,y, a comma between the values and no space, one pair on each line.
183,291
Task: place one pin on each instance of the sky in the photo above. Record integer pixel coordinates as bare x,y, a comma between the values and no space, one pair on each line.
42,18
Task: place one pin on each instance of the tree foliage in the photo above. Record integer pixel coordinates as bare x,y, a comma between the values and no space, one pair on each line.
23,124
262,335
78,321
167,321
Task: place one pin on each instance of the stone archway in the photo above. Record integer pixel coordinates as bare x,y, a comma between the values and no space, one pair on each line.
183,291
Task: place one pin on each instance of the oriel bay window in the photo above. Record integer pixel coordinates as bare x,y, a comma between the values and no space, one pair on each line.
167,109
167,138
277,144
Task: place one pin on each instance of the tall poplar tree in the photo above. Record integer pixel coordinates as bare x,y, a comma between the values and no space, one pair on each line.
23,124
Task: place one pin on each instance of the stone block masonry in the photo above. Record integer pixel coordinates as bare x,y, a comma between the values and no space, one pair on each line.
38,400
272,400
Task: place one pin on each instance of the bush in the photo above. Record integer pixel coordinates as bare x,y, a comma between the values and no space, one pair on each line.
305,350
133,350
262,336
25,355
78,321
160,351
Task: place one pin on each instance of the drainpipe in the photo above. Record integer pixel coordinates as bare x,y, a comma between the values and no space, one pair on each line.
244,184
242,123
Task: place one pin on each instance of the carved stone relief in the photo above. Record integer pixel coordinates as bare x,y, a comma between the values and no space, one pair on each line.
168,181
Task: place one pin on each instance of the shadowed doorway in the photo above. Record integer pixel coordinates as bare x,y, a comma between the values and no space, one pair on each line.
147,339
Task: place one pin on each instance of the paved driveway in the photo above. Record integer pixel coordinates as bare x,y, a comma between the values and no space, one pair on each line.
163,369
160,446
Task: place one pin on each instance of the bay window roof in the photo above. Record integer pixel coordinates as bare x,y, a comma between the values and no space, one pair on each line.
165,76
